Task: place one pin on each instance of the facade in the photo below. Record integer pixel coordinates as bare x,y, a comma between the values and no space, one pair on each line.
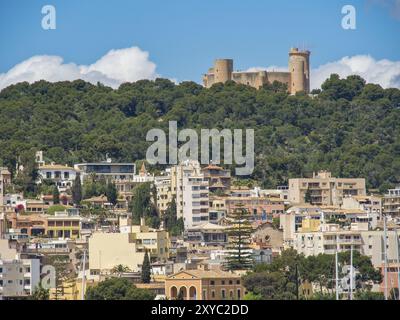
66,224
313,239
391,202
369,204
219,179
109,170
204,285
268,237
259,208
185,169
325,189
206,235
18,277
62,176
297,78
128,247
32,224
195,200
164,192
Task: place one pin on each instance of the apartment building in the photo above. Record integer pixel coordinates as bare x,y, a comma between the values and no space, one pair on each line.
185,169
391,202
204,285
128,247
18,277
314,238
206,235
219,179
32,224
195,200
111,171
64,224
164,192
259,208
323,189
369,204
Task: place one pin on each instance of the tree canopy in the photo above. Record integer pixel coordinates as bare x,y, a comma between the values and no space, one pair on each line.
117,289
349,127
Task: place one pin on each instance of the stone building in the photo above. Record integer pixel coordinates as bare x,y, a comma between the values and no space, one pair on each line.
297,78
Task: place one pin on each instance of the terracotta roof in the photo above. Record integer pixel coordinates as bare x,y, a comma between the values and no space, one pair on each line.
207,274
213,167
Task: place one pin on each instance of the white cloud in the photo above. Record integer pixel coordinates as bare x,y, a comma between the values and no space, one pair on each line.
114,68
383,72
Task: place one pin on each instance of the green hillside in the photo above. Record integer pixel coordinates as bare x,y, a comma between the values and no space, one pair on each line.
350,128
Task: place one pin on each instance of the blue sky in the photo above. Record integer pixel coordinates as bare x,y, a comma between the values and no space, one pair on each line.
183,37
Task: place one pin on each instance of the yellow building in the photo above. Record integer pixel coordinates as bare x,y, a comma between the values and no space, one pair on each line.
128,247
204,285
64,225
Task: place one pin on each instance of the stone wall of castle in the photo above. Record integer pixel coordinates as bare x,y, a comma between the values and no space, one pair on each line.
297,78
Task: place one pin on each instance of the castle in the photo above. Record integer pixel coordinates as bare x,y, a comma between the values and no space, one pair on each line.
297,78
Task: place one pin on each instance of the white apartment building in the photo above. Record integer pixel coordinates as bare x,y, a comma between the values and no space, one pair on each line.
391,202
18,277
195,200
327,238
185,169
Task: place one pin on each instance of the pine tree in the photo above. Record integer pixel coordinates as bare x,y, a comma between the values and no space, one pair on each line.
239,234
77,190
56,195
146,273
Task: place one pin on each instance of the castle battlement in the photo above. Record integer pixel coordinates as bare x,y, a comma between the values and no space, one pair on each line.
297,78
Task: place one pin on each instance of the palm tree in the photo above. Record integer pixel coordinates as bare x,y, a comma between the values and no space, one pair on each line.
120,269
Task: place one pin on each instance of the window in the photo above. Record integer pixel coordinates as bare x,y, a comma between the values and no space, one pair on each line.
230,282
237,281
213,294
223,282
212,282
223,295
238,293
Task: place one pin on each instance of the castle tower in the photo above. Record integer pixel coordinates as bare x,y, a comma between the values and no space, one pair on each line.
223,70
299,68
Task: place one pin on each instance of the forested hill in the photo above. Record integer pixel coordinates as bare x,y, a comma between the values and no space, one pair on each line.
350,128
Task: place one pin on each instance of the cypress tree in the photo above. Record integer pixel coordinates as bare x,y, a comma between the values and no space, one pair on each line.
77,190
146,273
